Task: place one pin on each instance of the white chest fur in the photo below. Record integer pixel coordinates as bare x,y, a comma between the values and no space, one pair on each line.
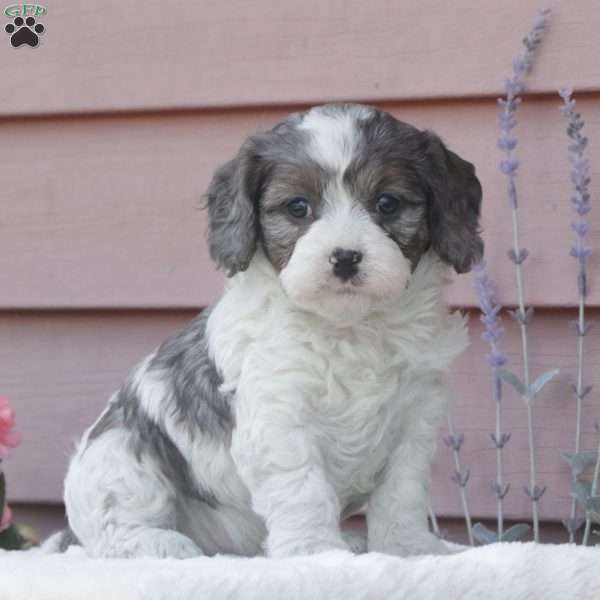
349,389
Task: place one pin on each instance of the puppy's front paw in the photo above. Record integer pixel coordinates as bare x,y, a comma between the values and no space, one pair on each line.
160,543
430,544
411,545
281,548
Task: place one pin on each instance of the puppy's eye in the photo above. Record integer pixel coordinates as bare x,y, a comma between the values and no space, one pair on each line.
299,208
387,205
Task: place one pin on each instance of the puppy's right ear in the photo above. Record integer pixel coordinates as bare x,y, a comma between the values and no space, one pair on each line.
232,212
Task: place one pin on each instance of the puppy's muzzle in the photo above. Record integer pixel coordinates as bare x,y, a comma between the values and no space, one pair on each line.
345,263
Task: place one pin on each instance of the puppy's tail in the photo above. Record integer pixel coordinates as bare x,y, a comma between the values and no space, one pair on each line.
60,541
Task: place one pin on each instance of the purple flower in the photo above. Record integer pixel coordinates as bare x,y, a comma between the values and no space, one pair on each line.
500,489
581,180
496,359
585,390
536,492
580,229
581,252
523,254
454,441
507,143
489,317
522,317
582,328
461,477
501,441
513,86
509,167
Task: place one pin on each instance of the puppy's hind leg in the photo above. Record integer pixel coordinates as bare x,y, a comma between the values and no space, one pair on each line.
119,505
151,541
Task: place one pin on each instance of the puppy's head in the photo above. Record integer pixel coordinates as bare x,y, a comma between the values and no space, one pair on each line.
344,200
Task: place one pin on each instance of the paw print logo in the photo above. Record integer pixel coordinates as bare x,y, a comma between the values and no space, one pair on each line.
24,31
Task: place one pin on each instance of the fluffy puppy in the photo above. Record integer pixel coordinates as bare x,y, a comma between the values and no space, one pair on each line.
316,384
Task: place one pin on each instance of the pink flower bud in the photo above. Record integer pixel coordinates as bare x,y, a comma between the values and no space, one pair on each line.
9,438
6,519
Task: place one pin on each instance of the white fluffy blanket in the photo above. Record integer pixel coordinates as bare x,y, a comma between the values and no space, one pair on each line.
499,572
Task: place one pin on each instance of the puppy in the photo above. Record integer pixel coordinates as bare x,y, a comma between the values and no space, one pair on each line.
316,384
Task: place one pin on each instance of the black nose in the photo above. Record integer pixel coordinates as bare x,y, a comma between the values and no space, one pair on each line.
345,263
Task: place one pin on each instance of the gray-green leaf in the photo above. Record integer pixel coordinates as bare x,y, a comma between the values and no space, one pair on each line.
581,490
513,380
541,381
484,535
581,461
593,503
516,532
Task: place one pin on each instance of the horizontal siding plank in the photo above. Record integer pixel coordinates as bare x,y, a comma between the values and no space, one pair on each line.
103,212
58,369
108,56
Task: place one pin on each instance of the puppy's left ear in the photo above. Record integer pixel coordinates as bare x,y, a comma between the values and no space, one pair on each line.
232,214
454,206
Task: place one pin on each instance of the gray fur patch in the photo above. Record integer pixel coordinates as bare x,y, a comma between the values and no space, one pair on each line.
182,362
149,438
247,197
67,539
111,418
441,194
233,227
385,162
294,174
234,192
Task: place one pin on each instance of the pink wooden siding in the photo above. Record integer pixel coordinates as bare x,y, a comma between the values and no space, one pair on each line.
111,130
102,56
111,203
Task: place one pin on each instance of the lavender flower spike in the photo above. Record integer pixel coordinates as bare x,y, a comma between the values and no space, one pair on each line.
509,166
581,252
507,120
496,359
490,309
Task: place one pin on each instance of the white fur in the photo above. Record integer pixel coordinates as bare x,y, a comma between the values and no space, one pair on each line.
308,278
334,135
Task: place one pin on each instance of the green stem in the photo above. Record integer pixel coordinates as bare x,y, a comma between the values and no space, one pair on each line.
463,494
588,515
579,392
499,477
